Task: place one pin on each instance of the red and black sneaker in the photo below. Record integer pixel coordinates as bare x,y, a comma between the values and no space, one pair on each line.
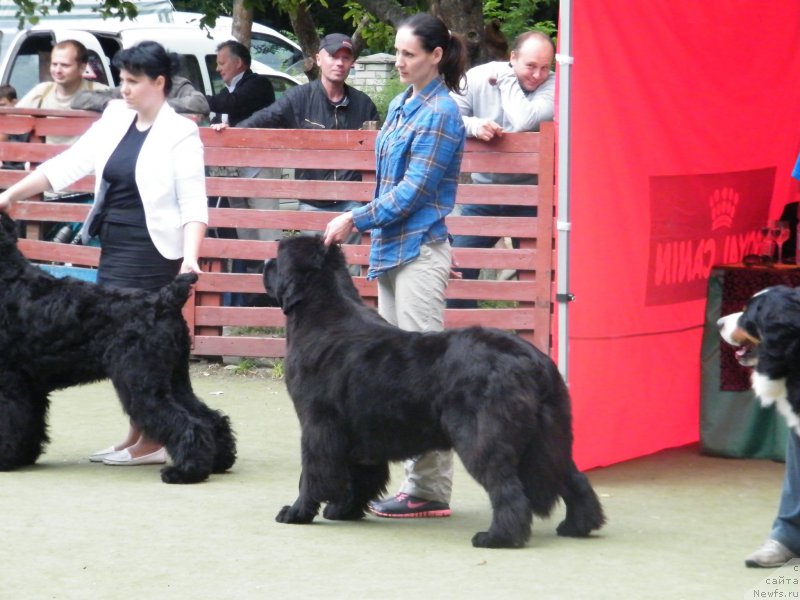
403,506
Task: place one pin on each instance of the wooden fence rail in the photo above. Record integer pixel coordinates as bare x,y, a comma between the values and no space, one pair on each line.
521,303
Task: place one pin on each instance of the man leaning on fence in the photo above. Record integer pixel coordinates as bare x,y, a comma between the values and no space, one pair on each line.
505,97
326,103
245,92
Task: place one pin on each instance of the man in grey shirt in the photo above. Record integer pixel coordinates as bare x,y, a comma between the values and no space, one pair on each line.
504,97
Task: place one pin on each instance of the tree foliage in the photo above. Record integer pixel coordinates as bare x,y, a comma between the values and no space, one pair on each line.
32,11
372,21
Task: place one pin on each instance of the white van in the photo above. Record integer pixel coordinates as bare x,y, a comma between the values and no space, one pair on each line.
267,45
26,53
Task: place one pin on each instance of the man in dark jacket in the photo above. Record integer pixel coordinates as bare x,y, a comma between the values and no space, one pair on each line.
245,92
327,103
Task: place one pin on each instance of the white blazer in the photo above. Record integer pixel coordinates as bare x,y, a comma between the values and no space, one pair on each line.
170,173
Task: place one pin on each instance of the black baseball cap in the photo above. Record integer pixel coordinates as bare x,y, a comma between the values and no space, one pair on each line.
333,42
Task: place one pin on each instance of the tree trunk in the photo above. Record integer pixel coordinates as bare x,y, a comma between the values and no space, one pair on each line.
242,26
465,17
306,32
462,16
387,11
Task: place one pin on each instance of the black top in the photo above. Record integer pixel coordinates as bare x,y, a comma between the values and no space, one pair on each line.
123,204
251,93
307,107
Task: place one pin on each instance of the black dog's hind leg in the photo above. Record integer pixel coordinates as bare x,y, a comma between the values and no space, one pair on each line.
224,438
224,442
495,470
511,516
584,512
367,482
23,424
186,434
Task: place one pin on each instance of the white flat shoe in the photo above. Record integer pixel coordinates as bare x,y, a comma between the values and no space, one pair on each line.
123,458
98,456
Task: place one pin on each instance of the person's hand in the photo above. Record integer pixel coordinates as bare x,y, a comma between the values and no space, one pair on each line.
5,202
190,266
488,130
219,126
338,229
454,272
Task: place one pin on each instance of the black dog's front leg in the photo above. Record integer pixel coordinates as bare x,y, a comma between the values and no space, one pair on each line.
304,508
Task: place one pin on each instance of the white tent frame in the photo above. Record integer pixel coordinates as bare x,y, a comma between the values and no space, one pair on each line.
563,223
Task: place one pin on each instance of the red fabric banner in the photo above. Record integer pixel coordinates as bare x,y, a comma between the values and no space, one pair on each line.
684,134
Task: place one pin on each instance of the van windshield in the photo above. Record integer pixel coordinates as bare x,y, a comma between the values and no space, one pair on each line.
275,53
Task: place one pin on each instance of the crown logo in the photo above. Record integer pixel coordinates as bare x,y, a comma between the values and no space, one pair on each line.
722,203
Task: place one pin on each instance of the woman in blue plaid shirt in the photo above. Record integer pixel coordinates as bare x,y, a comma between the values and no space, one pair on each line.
418,154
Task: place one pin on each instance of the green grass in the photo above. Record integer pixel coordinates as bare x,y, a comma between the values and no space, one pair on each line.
277,369
245,366
497,304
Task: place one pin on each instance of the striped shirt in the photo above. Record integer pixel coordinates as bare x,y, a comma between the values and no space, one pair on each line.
418,153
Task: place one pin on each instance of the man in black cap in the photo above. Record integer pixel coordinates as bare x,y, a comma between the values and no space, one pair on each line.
326,103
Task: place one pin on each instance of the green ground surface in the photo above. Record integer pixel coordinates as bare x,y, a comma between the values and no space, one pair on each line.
679,523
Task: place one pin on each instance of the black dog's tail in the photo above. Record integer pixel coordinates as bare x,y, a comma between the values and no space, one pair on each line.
175,295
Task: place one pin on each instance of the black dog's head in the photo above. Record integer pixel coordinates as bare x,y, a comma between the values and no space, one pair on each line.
767,331
304,264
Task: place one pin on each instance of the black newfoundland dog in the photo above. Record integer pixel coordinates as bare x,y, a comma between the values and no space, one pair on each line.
767,334
367,393
56,333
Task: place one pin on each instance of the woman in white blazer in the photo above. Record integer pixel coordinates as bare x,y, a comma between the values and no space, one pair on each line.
150,210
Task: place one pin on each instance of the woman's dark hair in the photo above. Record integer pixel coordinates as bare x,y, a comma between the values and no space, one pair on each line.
432,34
148,58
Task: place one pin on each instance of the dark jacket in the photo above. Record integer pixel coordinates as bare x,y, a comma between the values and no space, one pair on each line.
250,94
307,107
182,97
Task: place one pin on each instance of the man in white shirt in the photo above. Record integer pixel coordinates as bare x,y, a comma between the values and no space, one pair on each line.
244,93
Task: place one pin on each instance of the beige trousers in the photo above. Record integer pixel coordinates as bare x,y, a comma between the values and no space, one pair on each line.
412,297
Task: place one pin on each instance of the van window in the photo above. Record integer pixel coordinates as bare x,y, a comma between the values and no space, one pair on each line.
189,68
274,52
217,85
279,83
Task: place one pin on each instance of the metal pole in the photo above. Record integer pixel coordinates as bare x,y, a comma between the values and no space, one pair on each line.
563,223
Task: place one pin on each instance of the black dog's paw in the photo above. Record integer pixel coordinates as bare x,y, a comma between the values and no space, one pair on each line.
176,475
567,529
290,514
484,539
575,529
336,512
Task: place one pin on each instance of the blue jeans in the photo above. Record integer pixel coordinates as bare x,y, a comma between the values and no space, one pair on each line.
483,241
786,528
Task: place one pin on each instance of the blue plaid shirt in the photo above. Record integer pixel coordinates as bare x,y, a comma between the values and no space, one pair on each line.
418,153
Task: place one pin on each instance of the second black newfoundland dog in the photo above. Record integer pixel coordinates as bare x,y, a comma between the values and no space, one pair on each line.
367,393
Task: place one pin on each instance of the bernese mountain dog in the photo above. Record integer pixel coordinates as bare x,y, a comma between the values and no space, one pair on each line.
767,335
